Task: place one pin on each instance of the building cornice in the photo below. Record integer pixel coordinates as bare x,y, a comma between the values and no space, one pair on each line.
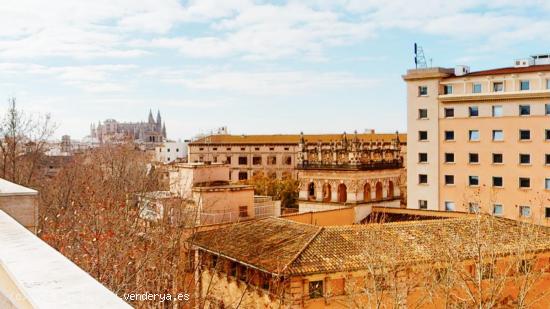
500,96
429,73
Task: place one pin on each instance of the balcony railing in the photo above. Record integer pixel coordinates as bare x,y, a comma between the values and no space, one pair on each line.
378,165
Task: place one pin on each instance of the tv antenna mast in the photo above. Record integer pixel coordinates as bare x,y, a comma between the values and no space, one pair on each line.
419,59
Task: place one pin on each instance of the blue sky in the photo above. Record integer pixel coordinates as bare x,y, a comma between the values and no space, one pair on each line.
254,66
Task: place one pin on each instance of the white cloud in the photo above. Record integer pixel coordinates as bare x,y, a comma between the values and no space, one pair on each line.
271,83
90,78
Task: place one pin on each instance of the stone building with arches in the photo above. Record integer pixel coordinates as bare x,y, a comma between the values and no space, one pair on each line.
350,172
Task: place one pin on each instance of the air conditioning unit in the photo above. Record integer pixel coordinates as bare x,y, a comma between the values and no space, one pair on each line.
521,63
462,70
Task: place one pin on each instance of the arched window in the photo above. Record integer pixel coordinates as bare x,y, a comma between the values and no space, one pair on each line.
366,192
379,194
327,192
390,189
342,193
311,191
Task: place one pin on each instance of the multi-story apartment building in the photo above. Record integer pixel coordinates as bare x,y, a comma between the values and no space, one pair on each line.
275,155
480,141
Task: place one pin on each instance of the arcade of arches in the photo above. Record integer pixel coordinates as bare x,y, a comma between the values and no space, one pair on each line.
350,190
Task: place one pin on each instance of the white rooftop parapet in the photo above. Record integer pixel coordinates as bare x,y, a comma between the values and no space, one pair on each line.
34,275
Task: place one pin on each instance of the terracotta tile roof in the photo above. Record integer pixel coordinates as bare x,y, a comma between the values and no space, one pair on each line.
509,70
269,244
292,138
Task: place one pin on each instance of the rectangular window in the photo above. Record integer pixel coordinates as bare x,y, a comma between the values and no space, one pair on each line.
228,148
473,158
498,135
524,182
447,89
524,135
422,91
228,160
272,160
547,212
547,159
476,88
271,148
473,207
498,87
243,148
422,204
449,157
449,206
473,111
243,160
316,289
524,158
497,181
449,179
524,85
497,209
422,113
548,84
547,183
497,111
257,161
547,109
497,158
524,110
449,112
257,148
473,135
243,211
449,135
243,175
422,179
473,180
288,160
525,211
547,134
422,135
422,157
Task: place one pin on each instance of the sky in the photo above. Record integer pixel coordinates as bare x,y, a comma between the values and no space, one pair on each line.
317,66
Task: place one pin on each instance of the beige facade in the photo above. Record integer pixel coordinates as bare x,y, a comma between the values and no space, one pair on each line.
275,155
480,141
215,199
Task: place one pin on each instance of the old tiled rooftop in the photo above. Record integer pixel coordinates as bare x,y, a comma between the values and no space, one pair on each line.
272,243
292,138
268,244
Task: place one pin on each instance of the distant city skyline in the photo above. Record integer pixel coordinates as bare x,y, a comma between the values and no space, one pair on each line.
255,67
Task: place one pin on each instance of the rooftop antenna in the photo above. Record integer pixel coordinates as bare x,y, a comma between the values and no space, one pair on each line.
419,59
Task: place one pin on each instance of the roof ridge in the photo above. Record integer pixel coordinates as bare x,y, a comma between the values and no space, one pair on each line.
302,249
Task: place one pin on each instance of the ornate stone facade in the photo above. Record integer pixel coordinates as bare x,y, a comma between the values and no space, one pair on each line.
350,171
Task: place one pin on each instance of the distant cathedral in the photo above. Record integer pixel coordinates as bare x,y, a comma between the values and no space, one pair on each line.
147,132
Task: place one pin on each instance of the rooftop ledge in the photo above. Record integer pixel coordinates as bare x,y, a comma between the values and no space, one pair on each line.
34,275
494,96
